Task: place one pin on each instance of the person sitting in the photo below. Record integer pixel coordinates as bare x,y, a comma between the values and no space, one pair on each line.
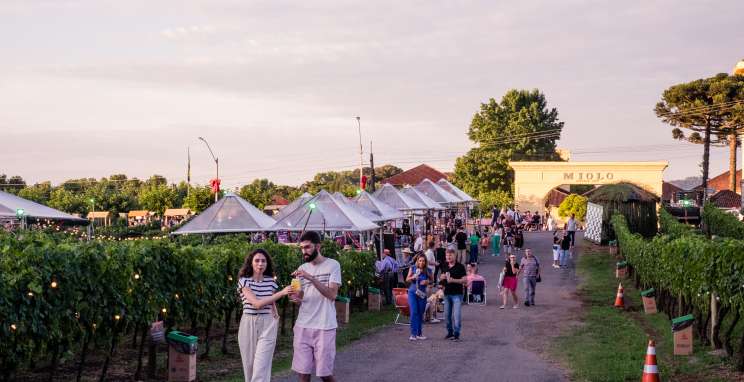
472,275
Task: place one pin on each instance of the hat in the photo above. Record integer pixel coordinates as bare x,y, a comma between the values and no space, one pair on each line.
406,250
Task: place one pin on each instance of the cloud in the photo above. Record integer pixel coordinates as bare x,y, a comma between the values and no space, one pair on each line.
188,32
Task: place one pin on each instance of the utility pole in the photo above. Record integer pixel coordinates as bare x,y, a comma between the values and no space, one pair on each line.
372,169
361,151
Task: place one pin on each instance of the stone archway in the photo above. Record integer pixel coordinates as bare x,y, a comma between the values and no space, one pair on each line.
533,180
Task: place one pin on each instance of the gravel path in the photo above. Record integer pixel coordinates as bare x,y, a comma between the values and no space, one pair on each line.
497,345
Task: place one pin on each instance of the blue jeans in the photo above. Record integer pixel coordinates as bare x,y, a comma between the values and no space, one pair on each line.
417,306
530,283
564,257
473,253
452,313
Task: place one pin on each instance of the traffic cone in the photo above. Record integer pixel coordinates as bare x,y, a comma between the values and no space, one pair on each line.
650,369
619,303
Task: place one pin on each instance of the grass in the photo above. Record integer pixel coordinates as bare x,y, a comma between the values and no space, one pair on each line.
610,344
360,325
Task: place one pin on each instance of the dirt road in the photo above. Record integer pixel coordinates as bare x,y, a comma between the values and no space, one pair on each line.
497,345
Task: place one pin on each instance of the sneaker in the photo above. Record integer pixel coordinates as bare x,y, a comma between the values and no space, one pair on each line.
449,336
435,321
526,303
556,266
456,339
420,338
412,338
502,307
515,306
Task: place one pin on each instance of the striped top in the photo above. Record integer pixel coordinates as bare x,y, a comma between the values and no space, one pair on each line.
261,290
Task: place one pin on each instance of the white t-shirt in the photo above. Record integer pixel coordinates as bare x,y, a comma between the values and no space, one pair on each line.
418,245
572,224
430,259
316,311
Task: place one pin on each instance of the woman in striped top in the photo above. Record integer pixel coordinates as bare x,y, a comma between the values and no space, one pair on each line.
257,333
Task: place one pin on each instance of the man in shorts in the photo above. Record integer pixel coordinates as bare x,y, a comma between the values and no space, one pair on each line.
315,329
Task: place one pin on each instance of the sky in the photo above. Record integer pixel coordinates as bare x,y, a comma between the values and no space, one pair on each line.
93,88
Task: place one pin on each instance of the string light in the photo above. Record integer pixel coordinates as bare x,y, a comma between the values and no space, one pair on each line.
136,276
54,284
164,310
13,327
176,296
30,294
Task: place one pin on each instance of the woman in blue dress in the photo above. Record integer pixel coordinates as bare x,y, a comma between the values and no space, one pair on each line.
418,277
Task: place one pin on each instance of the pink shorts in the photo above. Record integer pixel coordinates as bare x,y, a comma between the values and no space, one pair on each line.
314,351
510,282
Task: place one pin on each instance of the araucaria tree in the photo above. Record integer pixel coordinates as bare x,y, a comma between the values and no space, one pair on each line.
519,127
711,109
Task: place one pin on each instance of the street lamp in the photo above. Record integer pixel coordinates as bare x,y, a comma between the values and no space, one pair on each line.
21,215
216,162
361,151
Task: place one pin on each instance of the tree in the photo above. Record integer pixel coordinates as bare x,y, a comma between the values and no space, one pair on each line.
68,201
573,204
39,192
199,198
157,198
258,192
709,107
12,185
519,127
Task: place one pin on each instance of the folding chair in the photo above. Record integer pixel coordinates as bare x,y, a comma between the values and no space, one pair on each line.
401,304
477,293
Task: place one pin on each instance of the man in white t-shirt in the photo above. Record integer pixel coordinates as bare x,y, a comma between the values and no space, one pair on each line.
418,245
571,228
315,329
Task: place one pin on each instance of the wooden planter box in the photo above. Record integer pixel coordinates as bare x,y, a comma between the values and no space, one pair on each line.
682,329
374,300
621,270
649,301
343,309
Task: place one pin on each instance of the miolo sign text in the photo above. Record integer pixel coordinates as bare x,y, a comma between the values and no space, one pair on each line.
579,176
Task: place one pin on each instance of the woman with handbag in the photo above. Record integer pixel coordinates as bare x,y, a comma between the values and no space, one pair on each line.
418,277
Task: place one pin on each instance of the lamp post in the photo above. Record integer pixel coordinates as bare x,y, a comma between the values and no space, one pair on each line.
217,164
21,215
361,150
91,227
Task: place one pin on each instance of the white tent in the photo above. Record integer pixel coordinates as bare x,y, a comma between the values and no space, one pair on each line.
10,204
376,210
394,198
341,197
438,194
229,214
324,213
421,198
289,208
454,190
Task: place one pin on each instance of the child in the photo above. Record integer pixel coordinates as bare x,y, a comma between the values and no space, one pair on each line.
556,251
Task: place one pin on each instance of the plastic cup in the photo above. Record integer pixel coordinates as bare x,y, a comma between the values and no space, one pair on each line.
296,285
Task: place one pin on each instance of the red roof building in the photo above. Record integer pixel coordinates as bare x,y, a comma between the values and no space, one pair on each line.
669,192
414,176
726,199
721,182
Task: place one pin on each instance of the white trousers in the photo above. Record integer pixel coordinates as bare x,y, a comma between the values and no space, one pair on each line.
257,340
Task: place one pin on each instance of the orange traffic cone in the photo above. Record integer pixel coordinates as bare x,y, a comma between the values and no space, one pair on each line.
650,370
619,303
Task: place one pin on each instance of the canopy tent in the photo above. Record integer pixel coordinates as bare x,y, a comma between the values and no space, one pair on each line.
421,198
289,208
323,212
374,209
10,204
454,190
341,197
394,198
438,194
229,214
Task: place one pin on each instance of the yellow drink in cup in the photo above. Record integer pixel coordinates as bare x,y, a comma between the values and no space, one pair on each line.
296,285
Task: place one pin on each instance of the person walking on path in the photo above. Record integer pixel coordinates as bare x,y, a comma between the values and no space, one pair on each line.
314,341
556,251
511,269
565,248
485,242
474,241
529,268
462,250
419,277
258,325
571,228
453,280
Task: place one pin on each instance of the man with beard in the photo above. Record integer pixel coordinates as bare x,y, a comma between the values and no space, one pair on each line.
315,329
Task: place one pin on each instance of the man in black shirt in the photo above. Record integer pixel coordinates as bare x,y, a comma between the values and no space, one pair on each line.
453,279
461,238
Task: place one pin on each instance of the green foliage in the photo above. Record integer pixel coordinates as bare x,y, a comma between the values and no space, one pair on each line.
104,288
259,192
722,224
573,204
506,131
669,225
199,198
157,198
490,199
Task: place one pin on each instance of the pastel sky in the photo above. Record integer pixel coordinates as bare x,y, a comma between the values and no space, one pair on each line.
93,88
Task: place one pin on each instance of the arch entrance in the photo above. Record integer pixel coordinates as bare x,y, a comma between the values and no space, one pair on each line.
533,180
